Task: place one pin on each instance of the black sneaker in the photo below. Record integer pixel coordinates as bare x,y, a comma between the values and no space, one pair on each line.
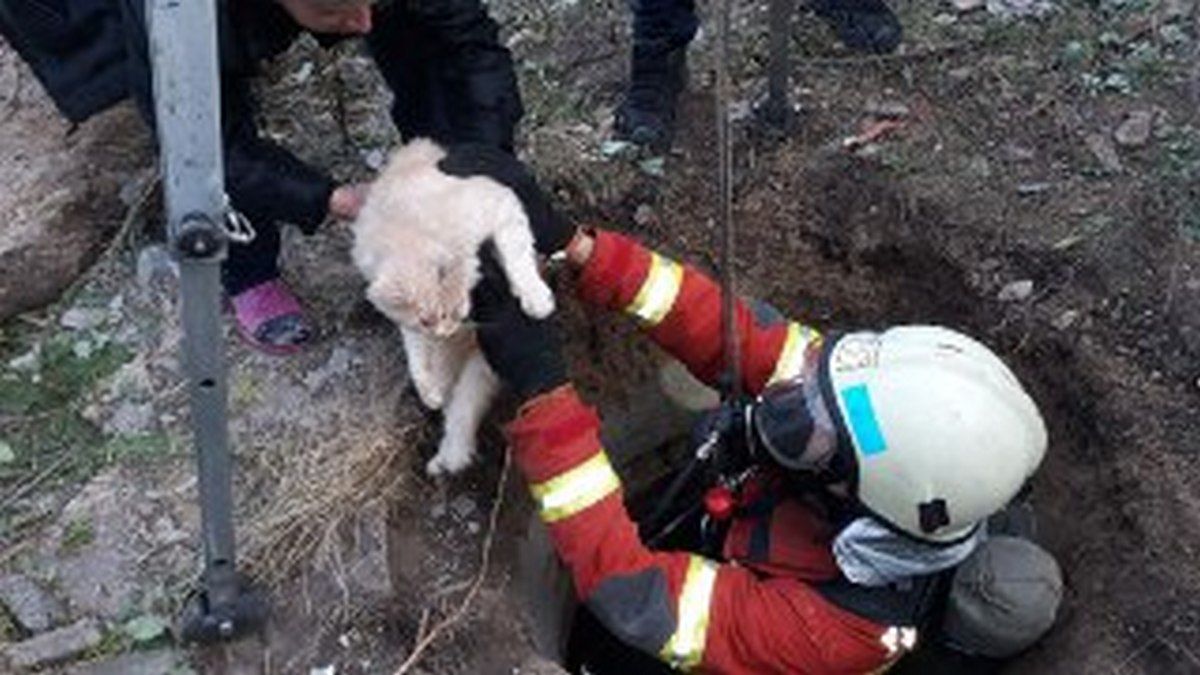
647,115
862,25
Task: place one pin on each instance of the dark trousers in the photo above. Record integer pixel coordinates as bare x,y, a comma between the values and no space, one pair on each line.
453,80
248,265
663,25
250,163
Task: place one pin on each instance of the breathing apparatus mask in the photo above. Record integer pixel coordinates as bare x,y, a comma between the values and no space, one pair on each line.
790,423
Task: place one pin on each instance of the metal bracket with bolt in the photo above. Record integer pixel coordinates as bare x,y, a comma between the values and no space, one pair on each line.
183,43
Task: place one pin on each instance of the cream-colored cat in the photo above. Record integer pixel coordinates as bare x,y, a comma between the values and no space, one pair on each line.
416,241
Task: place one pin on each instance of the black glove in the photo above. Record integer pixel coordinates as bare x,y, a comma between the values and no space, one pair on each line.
525,353
551,232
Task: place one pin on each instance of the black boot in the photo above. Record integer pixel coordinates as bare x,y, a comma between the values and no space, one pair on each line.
862,25
647,115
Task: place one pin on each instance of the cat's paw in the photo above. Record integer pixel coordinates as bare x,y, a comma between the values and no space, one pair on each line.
538,301
431,397
451,458
430,389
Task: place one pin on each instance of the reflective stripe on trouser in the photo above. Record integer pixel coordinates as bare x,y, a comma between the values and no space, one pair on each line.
898,640
575,489
791,358
685,649
658,292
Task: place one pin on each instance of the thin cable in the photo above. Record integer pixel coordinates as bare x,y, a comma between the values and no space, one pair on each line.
731,384
730,381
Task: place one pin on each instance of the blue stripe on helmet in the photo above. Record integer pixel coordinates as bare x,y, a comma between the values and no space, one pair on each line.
864,426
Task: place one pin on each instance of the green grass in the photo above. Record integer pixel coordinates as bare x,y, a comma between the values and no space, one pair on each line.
40,411
69,365
244,391
137,446
78,534
8,627
1177,175
61,438
113,643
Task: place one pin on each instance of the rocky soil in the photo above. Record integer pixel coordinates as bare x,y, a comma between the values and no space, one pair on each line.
1038,191
66,189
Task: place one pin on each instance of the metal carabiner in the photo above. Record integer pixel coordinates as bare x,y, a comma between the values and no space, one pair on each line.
238,227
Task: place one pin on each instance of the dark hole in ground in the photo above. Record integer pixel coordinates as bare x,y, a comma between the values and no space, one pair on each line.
902,282
843,247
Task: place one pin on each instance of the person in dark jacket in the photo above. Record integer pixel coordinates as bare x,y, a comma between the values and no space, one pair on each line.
453,82
662,30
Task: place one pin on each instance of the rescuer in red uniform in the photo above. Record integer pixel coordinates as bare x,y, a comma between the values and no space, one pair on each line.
904,441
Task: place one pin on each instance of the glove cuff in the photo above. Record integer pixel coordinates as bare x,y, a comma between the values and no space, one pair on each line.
529,383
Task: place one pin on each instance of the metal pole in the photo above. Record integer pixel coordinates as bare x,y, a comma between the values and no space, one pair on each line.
183,48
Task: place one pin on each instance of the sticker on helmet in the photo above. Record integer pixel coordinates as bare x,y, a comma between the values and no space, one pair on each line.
856,353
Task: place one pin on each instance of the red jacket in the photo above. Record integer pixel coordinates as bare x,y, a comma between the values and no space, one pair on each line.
754,617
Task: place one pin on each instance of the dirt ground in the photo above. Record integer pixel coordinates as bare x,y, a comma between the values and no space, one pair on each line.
1005,204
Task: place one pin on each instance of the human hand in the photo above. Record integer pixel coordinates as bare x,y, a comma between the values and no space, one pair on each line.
348,18
525,353
347,200
551,232
579,251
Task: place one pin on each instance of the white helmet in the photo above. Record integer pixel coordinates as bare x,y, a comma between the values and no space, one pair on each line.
943,434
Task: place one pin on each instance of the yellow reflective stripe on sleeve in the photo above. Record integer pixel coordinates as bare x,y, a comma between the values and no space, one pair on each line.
573,491
685,649
658,292
791,357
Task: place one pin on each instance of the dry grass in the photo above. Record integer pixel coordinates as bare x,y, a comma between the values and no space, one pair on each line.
319,496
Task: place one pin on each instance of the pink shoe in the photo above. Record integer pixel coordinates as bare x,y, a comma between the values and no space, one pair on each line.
270,318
